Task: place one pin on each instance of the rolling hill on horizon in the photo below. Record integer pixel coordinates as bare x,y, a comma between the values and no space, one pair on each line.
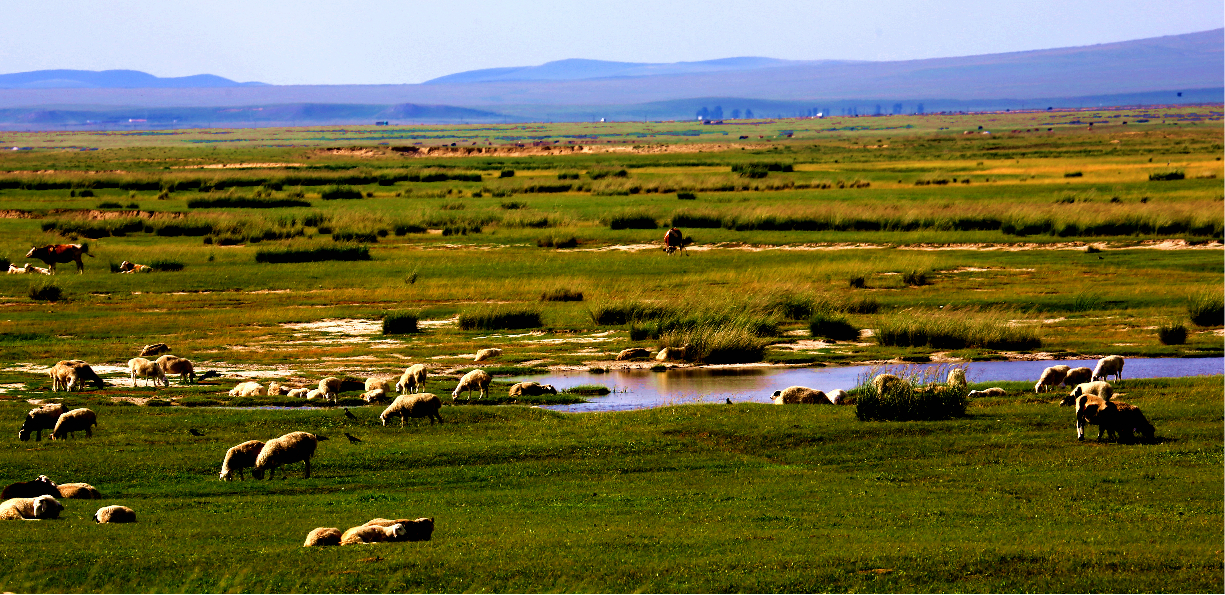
111,79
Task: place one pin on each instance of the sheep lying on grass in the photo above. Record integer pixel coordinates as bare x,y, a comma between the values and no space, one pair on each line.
275,389
248,389
633,353
414,530
531,389
115,514
378,382
323,536
78,491
800,395
1078,376
313,394
329,388
287,449
418,405
173,364
1111,365
240,457
74,421
41,486
485,354
298,393
372,534
39,419
476,379
1051,378
30,509
413,380
838,396
377,395
154,349
126,267
143,368
994,391
1101,388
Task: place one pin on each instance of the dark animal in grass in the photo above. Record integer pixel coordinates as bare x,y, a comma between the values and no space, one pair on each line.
1110,418
352,439
52,254
1128,420
209,374
674,240
349,414
284,450
43,486
39,419
154,349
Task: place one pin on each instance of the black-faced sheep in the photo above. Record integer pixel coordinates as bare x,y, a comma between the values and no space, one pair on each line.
994,391
418,405
1051,378
414,530
329,388
1078,376
248,389
42,486
143,368
74,421
154,349
485,354
78,491
38,508
800,395
1111,365
633,353
531,389
413,380
372,534
173,364
323,536
39,419
1128,419
115,514
476,379
240,457
287,449
1101,388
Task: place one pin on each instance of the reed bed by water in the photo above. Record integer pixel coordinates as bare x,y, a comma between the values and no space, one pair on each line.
988,329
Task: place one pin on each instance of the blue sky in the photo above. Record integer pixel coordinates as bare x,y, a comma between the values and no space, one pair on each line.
409,41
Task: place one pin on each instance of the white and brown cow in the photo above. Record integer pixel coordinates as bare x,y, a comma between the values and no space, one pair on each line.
673,241
60,253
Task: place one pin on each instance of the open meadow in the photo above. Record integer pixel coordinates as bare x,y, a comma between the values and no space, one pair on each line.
296,254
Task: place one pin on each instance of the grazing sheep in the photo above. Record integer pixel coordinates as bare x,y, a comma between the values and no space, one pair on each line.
476,379
668,353
298,393
1128,419
888,382
1078,376
30,509
287,449
994,391
74,421
414,530
139,366
418,405
72,374
248,389
42,486
957,377
1092,409
115,514
1101,388
78,491
378,382
377,395
800,395
1111,365
372,534
413,380
633,353
173,364
837,396
485,354
329,388
154,349
532,389
323,536
1051,378
240,457
39,419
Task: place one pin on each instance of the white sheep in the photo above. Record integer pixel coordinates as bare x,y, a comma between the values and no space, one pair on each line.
667,353
275,389
74,421
1051,377
284,450
154,349
994,391
39,419
298,393
329,388
173,364
1100,388
372,534
139,366
240,457
957,377
887,382
837,396
30,509
414,529
531,389
1111,365
1078,376
800,395
78,491
476,379
485,354
413,380
323,536
115,514
633,353
377,395
72,374
249,388
418,405
378,382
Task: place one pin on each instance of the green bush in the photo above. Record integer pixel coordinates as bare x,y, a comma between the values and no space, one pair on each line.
316,254
595,390
46,291
1172,334
832,326
338,192
557,242
166,266
1167,176
924,396
400,322
497,318
561,295
686,196
1207,308
507,173
632,221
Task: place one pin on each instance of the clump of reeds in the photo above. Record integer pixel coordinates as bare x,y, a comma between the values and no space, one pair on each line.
46,291
633,220
493,318
1172,334
924,395
561,295
400,322
686,196
312,254
244,202
338,192
594,390
1207,308
615,313
599,173
832,326
915,277
166,266
988,329
1167,176
557,241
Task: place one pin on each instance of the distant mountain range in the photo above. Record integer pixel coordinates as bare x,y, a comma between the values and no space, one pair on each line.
111,79
1186,68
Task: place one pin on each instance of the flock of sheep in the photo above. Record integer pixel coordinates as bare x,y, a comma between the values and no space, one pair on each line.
36,500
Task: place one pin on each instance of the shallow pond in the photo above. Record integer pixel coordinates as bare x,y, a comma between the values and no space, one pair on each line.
641,389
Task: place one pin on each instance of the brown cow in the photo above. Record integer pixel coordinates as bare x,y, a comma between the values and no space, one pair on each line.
673,241
60,253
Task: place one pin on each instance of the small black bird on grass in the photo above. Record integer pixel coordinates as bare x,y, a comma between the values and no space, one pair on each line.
352,439
729,401
349,414
195,432
209,374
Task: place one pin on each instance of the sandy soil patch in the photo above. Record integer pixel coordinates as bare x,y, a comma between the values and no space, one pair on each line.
805,345
438,323
342,326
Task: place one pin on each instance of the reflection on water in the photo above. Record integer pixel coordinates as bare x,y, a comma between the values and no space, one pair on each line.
640,389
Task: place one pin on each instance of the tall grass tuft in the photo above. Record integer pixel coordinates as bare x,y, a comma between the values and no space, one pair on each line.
400,322
1172,334
915,278
1207,308
615,313
314,254
166,266
924,396
1167,176
46,291
494,318
988,329
561,295
729,343
338,192
832,326
632,221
